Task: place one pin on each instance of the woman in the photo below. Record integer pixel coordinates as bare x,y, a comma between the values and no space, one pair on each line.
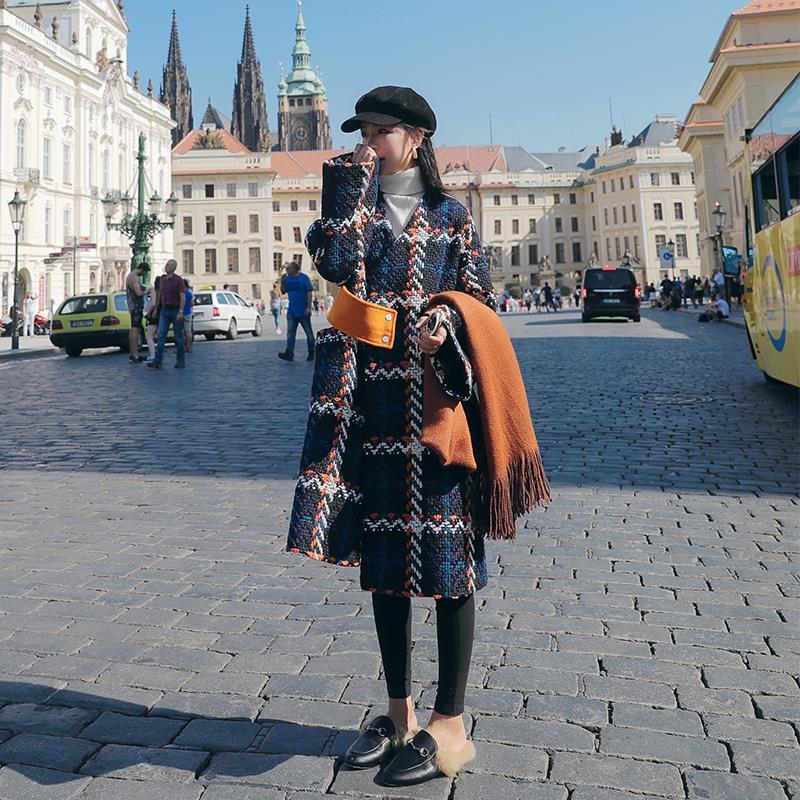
151,315
378,498
275,306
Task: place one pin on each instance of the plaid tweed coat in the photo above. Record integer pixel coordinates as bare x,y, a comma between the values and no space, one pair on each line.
369,493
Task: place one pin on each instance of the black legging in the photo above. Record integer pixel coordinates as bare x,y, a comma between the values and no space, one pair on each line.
455,628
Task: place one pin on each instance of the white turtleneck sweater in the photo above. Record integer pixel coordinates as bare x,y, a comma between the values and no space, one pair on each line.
402,193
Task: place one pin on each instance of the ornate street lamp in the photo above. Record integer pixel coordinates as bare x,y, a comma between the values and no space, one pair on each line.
671,246
140,227
719,221
17,208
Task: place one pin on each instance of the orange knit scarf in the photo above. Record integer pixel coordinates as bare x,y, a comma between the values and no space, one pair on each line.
500,445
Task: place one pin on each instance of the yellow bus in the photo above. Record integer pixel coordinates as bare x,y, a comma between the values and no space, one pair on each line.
772,282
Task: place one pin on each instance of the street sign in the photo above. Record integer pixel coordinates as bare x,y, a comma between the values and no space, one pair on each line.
667,258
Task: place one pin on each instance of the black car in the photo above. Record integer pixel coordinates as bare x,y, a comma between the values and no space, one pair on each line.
610,292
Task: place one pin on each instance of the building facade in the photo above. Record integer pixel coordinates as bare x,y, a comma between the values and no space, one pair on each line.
71,122
224,224
303,122
754,59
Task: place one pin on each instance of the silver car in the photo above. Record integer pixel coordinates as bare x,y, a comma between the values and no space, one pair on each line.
224,312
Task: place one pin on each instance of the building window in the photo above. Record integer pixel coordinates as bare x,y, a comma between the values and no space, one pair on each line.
613,185
233,259
658,212
105,178
636,246
496,199
604,187
514,200
560,259
498,227
676,178
90,165
255,259
678,210
255,289
252,190
559,225
591,197
515,255
277,233
626,244
211,259
574,224
594,222
187,226
608,249
187,262
655,179
210,225
254,223
691,176
572,198
624,215
630,181
48,224
48,96
556,199
514,226
67,105
697,242
533,253
47,143
531,199
617,248
231,223
312,205
532,225
277,261
276,205
298,259
186,190
298,236
661,242
576,252
681,246
230,190
209,190
67,163
633,212
293,205
605,216
614,214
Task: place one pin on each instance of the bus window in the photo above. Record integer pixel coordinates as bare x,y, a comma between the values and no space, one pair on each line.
768,210
791,171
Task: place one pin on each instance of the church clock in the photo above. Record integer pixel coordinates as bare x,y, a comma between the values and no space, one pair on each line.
301,133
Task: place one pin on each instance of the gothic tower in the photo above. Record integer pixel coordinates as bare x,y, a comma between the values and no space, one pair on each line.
302,102
249,122
176,93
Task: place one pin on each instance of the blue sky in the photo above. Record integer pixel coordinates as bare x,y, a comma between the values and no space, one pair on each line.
544,70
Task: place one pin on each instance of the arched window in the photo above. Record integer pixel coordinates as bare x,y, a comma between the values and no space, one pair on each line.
21,136
106,177
89,53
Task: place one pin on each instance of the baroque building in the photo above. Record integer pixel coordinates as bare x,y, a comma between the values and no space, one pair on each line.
72,117
303,122
249,122
176,93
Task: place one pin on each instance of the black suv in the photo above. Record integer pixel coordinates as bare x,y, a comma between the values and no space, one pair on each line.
610,292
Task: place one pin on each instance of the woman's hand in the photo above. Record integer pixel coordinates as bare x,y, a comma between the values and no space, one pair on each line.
363,154
430,341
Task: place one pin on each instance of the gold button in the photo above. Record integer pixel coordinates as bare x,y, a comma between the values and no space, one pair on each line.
388,317
384,339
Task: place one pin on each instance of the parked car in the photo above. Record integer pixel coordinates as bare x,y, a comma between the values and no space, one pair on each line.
91,320
610,292
218,312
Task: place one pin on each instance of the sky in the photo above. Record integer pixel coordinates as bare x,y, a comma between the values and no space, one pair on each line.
544,70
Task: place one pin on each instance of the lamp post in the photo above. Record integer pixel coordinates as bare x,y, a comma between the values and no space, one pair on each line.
17,208
719,220
142,226
671,246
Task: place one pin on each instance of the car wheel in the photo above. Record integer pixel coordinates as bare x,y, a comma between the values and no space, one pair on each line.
257,328
209,337
73,352
232,331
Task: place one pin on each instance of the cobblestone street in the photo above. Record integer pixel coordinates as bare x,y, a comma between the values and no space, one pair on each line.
639,639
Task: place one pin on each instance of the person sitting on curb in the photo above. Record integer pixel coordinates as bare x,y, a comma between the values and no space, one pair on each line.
718,310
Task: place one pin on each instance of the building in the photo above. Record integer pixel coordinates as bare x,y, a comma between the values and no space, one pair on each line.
224,223
249,123
642,197
71,123
754,59
176,93
303,122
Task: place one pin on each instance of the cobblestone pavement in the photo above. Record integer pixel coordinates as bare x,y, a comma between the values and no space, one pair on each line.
638,640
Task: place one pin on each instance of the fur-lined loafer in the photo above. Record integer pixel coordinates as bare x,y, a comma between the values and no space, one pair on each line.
422,759
378,742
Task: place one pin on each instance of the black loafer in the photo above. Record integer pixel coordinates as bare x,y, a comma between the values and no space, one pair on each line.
377,743
415,763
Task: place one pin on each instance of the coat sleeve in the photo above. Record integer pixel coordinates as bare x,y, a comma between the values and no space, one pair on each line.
339,240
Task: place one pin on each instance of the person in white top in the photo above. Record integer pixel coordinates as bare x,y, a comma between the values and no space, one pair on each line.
29,309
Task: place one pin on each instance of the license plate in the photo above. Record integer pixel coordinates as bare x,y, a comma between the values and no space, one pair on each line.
611,300
81,323
198,314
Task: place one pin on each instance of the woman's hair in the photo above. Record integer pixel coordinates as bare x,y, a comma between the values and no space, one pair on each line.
429,169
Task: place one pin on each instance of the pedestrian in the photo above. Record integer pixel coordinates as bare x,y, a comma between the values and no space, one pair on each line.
698,292
297,285
396,510
537,299
275,306
188,330
29,308
547,291
171,300
719,283
528,300
557,303
134,292
151,318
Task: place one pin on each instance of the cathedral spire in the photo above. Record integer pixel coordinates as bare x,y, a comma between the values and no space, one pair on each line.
249,121
176,93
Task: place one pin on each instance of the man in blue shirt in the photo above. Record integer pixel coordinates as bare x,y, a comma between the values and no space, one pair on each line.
301,295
